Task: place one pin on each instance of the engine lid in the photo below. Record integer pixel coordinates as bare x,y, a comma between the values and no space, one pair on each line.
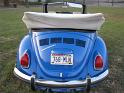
63,55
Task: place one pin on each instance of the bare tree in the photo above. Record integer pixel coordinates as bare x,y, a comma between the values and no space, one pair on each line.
112,2
39,0
6,3
27,4
26,1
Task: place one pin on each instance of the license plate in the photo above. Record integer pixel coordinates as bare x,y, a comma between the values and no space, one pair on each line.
61,59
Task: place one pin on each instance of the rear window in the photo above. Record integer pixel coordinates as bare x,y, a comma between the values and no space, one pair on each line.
62,29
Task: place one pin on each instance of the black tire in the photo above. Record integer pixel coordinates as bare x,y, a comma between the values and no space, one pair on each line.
48,90
33,83
43,91
88,88
73,91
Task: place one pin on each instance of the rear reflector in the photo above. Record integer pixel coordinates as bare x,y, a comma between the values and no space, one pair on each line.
98,65
25,61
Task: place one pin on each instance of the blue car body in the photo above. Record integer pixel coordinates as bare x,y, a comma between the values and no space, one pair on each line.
83,45
64,53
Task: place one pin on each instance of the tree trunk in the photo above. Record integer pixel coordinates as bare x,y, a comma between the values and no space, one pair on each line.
39,0
26,3
6,3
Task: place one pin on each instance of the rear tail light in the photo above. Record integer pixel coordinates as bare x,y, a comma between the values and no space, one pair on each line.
25,60
98,63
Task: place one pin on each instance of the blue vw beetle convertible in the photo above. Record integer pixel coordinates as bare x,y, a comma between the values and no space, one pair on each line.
62,52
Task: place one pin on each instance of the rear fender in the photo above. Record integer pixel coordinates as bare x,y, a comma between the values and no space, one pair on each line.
26,46
99,48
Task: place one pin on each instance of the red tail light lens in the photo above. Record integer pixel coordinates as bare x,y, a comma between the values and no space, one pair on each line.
98,62
24,60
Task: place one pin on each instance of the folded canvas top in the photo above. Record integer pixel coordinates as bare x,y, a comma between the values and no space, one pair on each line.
54,20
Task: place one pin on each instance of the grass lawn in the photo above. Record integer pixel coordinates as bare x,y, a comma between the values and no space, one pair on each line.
12,30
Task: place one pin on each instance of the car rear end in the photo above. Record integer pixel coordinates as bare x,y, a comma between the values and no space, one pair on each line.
62,51
64,58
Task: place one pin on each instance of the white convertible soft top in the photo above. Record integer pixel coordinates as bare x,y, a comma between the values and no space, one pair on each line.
54,20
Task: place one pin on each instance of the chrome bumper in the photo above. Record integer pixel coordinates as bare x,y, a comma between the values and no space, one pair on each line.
54,84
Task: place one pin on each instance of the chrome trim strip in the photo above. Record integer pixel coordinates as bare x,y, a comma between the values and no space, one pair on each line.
100,77
22,76
69,84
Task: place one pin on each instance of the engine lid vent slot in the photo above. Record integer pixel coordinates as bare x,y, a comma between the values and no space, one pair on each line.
55,40
44,42
48,41
68,40
80,43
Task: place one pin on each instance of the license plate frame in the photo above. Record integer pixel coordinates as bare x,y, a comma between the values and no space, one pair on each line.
61,59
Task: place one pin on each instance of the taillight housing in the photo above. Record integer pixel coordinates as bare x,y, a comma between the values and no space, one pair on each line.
98,62
25,60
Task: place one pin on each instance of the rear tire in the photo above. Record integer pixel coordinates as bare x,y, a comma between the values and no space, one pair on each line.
43,91
48,90
88,88
73,91
33,82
